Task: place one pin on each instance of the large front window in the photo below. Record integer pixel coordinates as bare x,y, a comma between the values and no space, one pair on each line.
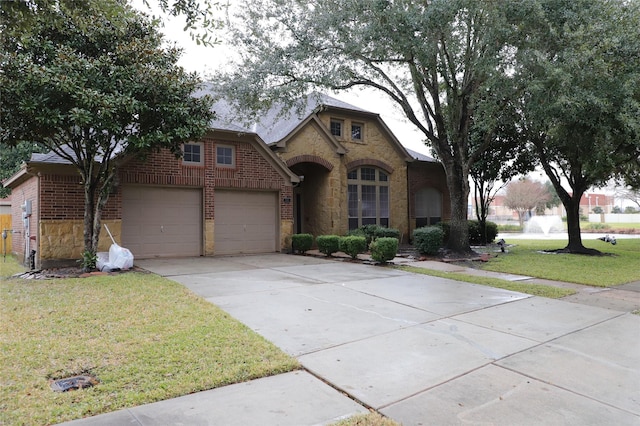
368,197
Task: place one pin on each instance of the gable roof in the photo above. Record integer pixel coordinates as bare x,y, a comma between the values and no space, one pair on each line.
421,157
280,121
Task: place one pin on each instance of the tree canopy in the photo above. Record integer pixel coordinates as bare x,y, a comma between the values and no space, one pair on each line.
580,66
97,93
433,59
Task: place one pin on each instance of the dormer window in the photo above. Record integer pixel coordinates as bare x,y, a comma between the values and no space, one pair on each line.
357,130
336,128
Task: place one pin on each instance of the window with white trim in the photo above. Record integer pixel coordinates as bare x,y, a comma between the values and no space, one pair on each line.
367,197
336,127
192,153
357,132
225,156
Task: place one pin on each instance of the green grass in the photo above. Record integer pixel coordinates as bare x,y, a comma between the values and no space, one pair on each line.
585,225
9,266
144,337
528,288
620,265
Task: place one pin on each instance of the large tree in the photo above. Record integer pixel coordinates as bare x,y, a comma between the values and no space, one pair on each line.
12,157
432,58
94,88
581,107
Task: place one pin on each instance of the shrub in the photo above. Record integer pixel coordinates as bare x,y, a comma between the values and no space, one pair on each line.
383,249
328,244
490,232
301,242
382,232
371,232
428,239
510,228
353,245
476,235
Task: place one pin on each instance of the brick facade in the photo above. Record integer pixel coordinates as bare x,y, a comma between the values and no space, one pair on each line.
318,204
58,197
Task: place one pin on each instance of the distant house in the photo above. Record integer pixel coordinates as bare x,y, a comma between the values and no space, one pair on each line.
241,189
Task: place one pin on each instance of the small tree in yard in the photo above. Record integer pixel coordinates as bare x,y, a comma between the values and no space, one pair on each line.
96,93
525,195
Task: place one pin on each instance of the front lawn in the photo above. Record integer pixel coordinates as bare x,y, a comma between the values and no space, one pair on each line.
619,265
145,338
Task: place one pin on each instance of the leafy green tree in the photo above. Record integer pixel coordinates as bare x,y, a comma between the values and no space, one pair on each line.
95,88
500,158
19,15
432,59
12,157
581,106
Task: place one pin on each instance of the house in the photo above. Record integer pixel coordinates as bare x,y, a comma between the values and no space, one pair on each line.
324,169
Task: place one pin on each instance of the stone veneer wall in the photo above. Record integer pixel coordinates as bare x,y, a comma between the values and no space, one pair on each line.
330,205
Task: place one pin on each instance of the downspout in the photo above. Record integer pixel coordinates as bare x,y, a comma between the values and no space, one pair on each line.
37,210
408,204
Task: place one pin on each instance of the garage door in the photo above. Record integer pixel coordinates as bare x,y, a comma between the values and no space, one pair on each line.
160,222
245,222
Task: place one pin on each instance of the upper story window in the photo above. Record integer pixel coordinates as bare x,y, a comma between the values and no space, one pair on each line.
225,156
192,153
357,132
337,127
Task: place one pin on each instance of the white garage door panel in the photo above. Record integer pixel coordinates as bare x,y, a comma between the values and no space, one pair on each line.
162,221
245,222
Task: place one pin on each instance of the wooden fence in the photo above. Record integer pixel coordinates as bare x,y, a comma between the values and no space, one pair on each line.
5,223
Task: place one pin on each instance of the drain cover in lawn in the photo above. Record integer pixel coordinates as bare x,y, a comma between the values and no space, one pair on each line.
72,383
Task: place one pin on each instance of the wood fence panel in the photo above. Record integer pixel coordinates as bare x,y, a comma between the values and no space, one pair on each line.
5,223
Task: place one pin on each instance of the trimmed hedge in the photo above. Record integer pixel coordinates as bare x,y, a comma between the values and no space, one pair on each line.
371,232
328,244
383,249
353,245
428,239
301,243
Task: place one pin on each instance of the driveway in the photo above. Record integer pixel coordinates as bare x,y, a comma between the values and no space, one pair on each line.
427,350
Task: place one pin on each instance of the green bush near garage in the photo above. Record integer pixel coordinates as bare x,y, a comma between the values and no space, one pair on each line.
353,245
301,243
328,244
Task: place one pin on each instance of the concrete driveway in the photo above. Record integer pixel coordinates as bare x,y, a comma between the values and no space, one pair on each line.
426,350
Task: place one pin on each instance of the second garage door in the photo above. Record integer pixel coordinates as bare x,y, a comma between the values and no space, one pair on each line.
159,221
245,222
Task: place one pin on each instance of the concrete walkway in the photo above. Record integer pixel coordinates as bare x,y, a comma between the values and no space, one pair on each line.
421,350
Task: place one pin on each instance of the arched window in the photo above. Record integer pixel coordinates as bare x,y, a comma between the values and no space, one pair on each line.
428,207
368,197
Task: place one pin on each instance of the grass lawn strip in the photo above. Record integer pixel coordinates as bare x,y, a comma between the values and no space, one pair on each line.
534,289
370,419
144,337
619,265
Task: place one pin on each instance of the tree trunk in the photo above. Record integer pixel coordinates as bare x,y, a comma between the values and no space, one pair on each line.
458,185
89,203
572,206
